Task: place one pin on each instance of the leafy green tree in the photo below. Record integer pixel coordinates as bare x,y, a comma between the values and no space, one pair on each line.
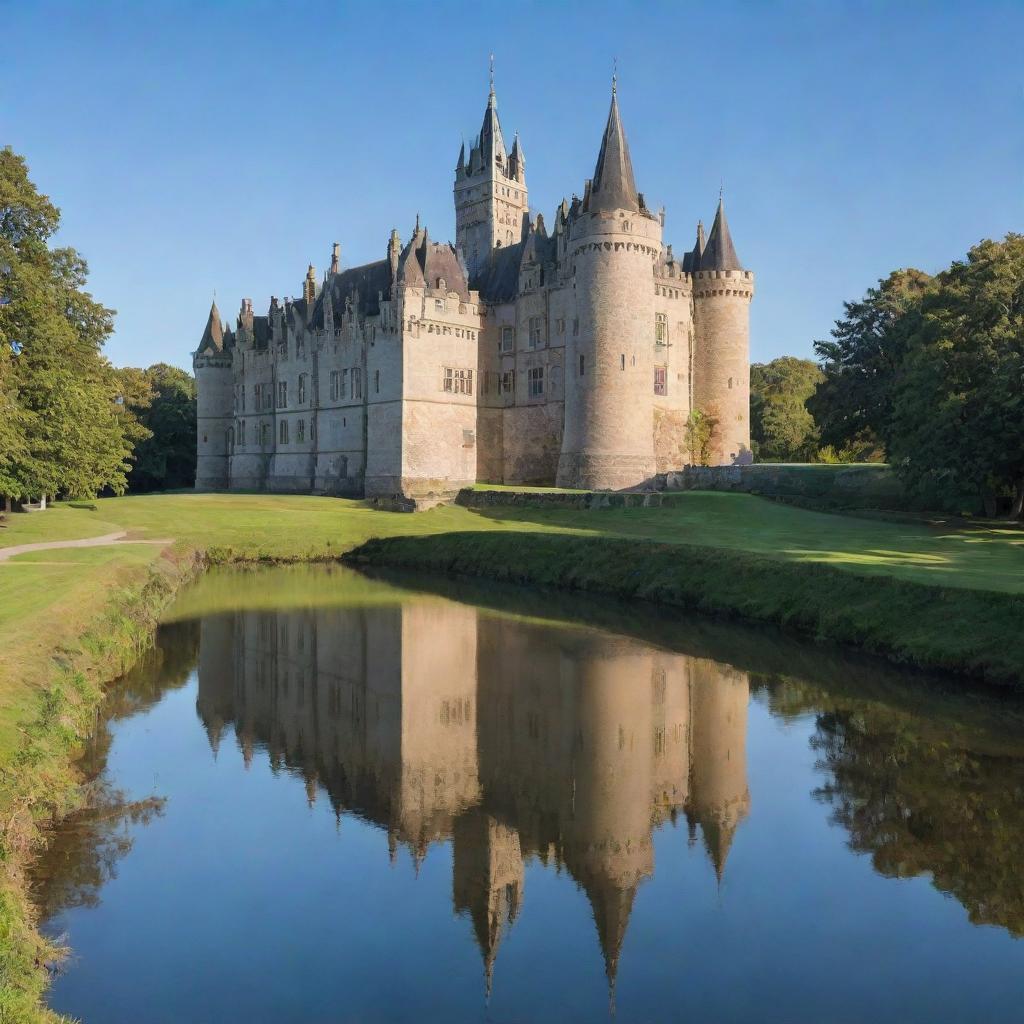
958,404
781,428
853,405
68,431
166,460
701,430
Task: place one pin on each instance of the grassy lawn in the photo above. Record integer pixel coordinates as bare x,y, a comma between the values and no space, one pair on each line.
47,597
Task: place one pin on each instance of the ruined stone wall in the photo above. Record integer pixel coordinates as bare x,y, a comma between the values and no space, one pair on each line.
721,360
609,436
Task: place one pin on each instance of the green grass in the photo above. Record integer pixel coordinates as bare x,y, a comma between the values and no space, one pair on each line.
71,619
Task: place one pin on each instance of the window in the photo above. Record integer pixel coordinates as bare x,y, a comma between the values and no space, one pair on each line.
300,430
241,432
661,380
283,431
282,394
335,385
536,331
535,381
344,384
264,434
376,382
439,305
312,430
622,361
508,340
302,387
660,329
730,383
457,381
357,382
508,382
241,397
300,347
255,396
581,364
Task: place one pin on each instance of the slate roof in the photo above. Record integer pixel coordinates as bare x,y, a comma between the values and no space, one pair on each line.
720,253
614,187
498,280
366,282
213,336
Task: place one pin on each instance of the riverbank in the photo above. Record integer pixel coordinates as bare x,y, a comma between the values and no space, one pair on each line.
972,632
73,619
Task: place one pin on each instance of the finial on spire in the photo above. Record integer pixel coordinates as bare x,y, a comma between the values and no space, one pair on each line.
615,74
492,73
721,188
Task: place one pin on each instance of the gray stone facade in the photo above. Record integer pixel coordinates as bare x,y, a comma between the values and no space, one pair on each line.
518,355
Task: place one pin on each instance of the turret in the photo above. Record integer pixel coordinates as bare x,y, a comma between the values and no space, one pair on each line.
490,191
309,288
335,258
608,441
722,291
214,406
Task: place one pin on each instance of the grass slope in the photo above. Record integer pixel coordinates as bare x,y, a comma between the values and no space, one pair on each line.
903,620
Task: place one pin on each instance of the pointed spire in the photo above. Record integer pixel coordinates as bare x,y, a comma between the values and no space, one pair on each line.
461,165
335,257
701,240
720,253
614,187
213,335
612,908
492,146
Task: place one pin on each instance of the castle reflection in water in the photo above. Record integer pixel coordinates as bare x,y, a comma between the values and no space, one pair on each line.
439,721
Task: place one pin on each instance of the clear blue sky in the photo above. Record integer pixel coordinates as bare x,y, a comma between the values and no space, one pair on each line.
201,146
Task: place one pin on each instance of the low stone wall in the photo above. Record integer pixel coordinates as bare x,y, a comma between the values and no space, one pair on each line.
866,486
470,498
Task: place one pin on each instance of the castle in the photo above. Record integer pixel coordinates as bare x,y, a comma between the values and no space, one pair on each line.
573,356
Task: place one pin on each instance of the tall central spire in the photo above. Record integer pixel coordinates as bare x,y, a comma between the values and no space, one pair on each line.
614,187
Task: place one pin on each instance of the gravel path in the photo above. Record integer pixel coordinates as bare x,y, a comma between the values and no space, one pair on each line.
87,542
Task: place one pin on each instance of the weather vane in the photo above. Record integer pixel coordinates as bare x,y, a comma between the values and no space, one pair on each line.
492,72
615,73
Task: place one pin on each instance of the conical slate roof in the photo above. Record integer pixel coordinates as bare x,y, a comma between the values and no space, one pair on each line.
720,253
614,187
213,336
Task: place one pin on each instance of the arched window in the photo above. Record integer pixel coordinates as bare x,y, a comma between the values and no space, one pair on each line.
302,387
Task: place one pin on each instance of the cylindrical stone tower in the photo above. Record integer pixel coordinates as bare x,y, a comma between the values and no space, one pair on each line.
608,441
214,405
722,291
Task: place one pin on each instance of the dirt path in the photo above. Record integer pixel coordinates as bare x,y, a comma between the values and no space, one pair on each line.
87,542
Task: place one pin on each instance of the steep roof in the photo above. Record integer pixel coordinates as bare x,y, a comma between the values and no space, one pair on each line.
614,187
363,284
498,279
423,262
213,336
720,253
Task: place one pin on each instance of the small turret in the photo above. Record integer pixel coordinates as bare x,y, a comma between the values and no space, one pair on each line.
214,405
309,288
722,291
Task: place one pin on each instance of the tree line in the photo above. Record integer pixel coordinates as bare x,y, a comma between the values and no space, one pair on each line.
924,372
71,423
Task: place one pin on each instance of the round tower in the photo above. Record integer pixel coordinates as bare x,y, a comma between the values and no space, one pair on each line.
608,441
722,291
214,406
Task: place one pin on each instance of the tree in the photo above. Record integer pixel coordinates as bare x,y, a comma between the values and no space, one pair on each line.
701,430
67,431
781,428
958,404
852,406
166,459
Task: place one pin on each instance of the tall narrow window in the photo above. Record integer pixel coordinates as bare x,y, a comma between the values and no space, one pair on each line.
283,432
300,430
335,385
581,364
535,381
376,382
508,340
357,382
622,361
282,394
536,331
344,384
660,329
302,388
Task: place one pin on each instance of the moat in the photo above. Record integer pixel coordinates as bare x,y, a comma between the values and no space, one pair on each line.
328,797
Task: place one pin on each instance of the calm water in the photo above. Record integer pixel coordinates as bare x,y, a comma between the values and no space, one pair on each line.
332,799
